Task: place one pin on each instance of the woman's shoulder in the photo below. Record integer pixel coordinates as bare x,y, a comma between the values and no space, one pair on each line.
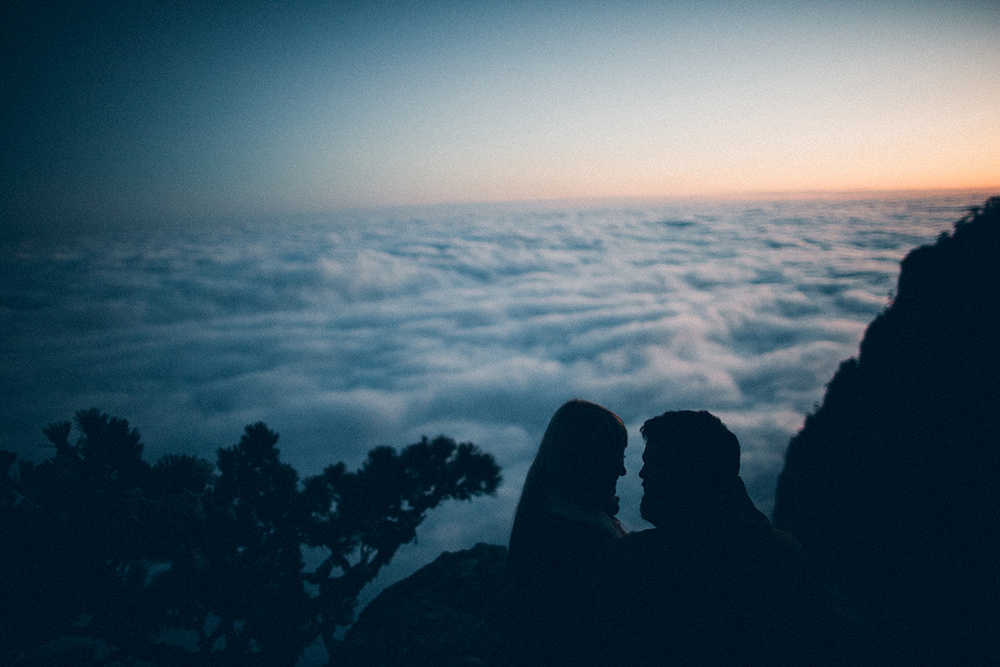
546,528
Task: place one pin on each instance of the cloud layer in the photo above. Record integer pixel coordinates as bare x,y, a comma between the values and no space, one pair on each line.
352,330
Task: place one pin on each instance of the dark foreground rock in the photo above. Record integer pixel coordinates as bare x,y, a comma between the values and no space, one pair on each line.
439,616
893,484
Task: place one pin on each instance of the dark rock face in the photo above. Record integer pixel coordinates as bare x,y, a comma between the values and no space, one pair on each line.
893,484
438,616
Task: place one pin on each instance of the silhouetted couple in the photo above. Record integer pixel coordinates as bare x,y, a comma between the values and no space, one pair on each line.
713,583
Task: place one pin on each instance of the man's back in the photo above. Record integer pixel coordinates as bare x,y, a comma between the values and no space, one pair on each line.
726,592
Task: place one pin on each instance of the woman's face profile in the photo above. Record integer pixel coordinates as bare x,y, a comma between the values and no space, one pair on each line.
601,483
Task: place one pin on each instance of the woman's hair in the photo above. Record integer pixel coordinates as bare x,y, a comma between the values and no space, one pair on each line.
581,436
582,440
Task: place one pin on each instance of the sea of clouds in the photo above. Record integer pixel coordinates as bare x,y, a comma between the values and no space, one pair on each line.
350,330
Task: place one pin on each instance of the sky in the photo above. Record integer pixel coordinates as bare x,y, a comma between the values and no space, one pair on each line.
156,111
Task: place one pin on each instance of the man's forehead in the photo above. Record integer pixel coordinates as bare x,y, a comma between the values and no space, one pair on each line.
655,449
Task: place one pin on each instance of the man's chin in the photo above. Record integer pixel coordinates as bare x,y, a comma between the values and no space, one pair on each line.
612,506
650,510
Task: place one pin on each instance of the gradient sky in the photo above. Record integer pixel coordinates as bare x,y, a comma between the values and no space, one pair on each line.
157,110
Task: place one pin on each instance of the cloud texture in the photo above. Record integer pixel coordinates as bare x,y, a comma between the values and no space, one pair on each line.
347,331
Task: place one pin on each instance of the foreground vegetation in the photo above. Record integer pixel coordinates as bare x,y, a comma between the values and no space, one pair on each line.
110,560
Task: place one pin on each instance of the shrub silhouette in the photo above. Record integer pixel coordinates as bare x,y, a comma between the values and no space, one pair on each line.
108,559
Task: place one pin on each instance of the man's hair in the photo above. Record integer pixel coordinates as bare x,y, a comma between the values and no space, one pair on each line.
697,443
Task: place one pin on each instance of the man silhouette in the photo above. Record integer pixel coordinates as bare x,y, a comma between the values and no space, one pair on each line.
713,583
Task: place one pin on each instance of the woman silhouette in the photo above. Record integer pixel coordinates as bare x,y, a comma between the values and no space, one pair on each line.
565,516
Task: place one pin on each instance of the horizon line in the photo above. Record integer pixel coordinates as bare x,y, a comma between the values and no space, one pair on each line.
85,220
722,195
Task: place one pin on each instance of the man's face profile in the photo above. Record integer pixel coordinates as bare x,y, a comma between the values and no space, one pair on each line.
668,482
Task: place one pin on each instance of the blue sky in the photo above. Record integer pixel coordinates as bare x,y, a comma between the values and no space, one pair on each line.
164,110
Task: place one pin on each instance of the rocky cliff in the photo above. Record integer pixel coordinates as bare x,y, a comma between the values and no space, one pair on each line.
437,617
893,484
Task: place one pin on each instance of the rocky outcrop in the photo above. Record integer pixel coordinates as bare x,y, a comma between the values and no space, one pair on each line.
893,484
438,616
